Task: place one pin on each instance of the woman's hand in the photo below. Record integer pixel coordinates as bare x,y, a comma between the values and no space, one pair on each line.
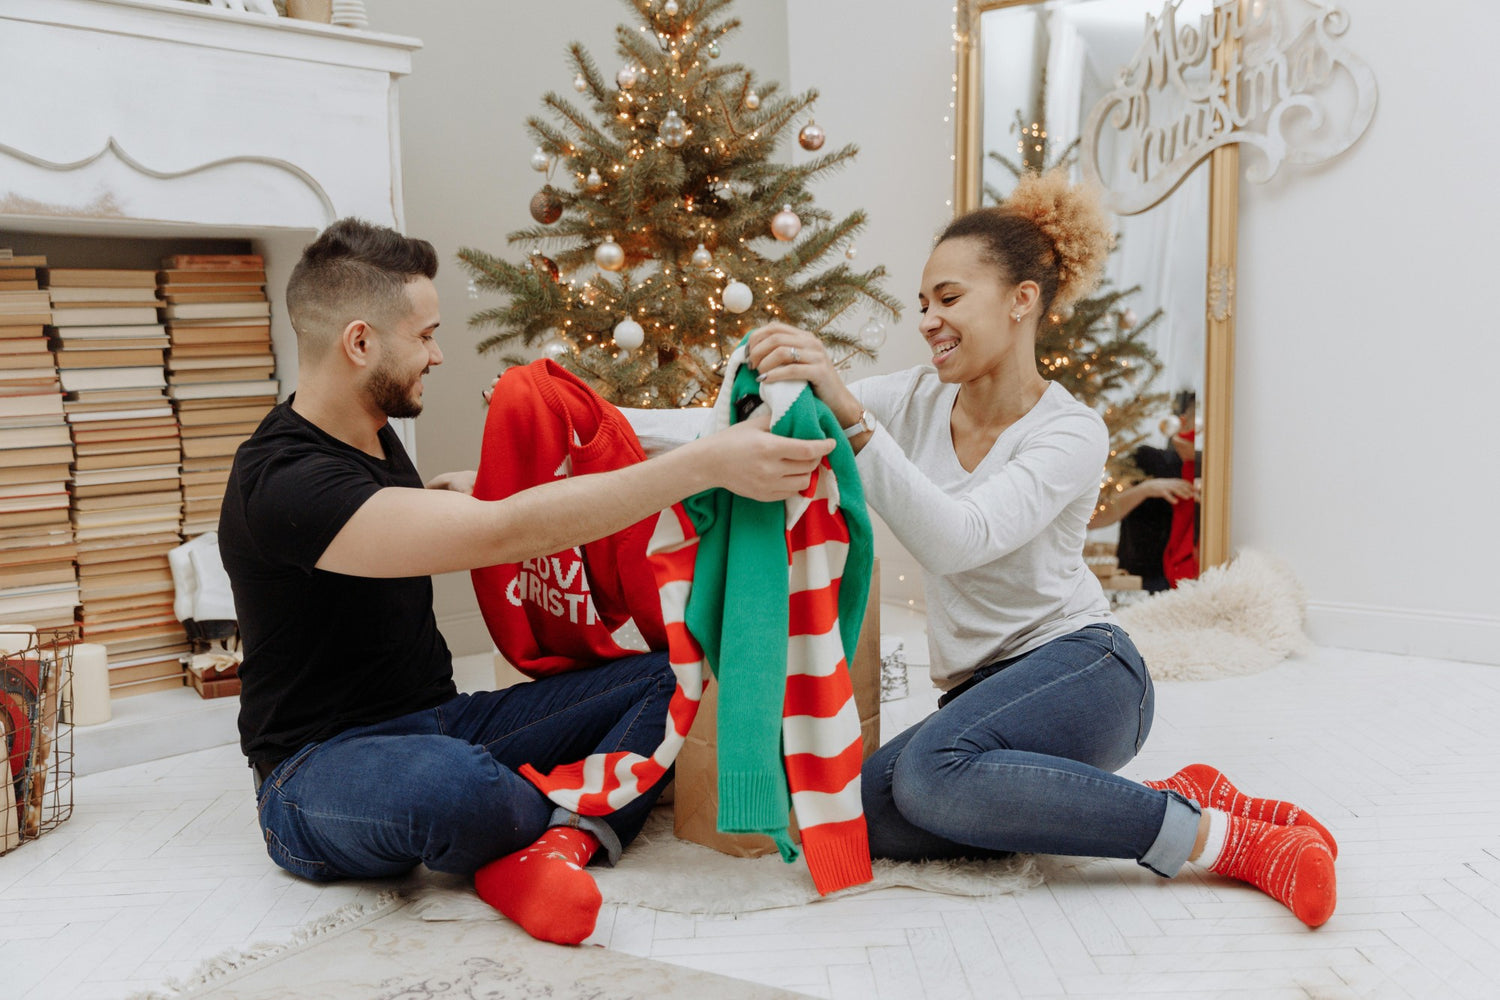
781,353
1170,490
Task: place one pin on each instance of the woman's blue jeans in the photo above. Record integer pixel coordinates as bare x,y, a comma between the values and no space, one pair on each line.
1019,758
440,787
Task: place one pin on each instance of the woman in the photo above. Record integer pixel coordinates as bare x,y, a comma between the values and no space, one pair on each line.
987,473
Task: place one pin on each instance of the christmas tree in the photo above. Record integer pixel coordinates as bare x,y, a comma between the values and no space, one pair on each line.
1095,348
666,231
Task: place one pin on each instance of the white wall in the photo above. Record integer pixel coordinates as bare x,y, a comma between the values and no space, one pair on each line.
1365,427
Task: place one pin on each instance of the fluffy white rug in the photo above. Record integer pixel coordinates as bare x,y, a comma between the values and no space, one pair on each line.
661,872
383,952
1238,618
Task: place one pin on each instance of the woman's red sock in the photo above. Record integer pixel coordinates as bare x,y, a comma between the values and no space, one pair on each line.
1291,864
1208,787
544,887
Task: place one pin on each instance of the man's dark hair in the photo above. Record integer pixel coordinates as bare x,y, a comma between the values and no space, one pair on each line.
353,270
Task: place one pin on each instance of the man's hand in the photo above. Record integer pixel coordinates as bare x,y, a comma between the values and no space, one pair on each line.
749,460
458,482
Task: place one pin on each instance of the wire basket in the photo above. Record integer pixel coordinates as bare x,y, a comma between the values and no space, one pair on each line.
36,733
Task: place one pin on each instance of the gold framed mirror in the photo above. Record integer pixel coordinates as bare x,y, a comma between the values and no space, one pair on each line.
1029,75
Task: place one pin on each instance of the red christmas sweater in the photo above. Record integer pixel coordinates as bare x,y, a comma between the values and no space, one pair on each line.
559,613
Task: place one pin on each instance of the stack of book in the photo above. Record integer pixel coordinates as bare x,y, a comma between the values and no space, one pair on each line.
127,491
38,584
219,369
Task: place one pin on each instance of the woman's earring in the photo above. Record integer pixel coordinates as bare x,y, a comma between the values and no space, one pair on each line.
1015,317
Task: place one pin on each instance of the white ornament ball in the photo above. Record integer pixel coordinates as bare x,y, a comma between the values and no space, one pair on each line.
670,8
539,160
628,77
580,84
609,255
702,259
738,297
473,289
752,100
1170,425
872,335
851,252
629,335
785,225
593,182
556,348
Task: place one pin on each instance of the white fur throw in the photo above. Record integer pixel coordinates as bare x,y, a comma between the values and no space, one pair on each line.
1239,618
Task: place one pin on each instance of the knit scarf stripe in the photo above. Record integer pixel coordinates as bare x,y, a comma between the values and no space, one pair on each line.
820,721
602,783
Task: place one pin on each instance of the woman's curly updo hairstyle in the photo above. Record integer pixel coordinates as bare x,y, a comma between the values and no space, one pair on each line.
1048,231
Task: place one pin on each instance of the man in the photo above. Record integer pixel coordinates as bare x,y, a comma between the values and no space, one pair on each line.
367,760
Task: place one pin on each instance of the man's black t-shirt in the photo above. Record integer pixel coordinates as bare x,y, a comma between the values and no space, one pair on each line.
1144,531
323,652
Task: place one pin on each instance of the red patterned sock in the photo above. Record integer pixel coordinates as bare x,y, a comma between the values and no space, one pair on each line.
544,887
1291,864
1208,787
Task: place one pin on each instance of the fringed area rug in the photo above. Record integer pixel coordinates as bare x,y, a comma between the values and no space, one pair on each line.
1239,618
384,952
661,872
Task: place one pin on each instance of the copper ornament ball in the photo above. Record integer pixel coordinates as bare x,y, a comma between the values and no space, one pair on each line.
785,224
812,137
546,206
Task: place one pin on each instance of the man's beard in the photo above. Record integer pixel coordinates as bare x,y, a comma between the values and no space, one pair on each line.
392,396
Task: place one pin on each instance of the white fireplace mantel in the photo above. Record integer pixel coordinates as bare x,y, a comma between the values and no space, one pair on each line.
153,116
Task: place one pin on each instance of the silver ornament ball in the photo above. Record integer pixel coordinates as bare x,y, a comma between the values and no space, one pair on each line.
670,8
702,259
539,160
627,77
593,182
851,252
609,255
673,131
580,84
785,224
713,50
629,335
738,297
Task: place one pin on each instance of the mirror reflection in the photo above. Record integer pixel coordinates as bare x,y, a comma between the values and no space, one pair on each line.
1135,349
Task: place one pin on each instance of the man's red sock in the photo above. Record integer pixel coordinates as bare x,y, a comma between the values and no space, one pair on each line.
1208,787
1291,864
544,887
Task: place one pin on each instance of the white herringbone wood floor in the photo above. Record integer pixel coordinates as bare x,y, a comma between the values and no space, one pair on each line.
161,866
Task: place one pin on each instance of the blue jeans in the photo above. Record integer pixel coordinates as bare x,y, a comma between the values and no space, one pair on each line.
1019,758
439,787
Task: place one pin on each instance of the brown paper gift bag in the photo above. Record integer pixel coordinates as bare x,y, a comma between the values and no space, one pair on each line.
696,795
